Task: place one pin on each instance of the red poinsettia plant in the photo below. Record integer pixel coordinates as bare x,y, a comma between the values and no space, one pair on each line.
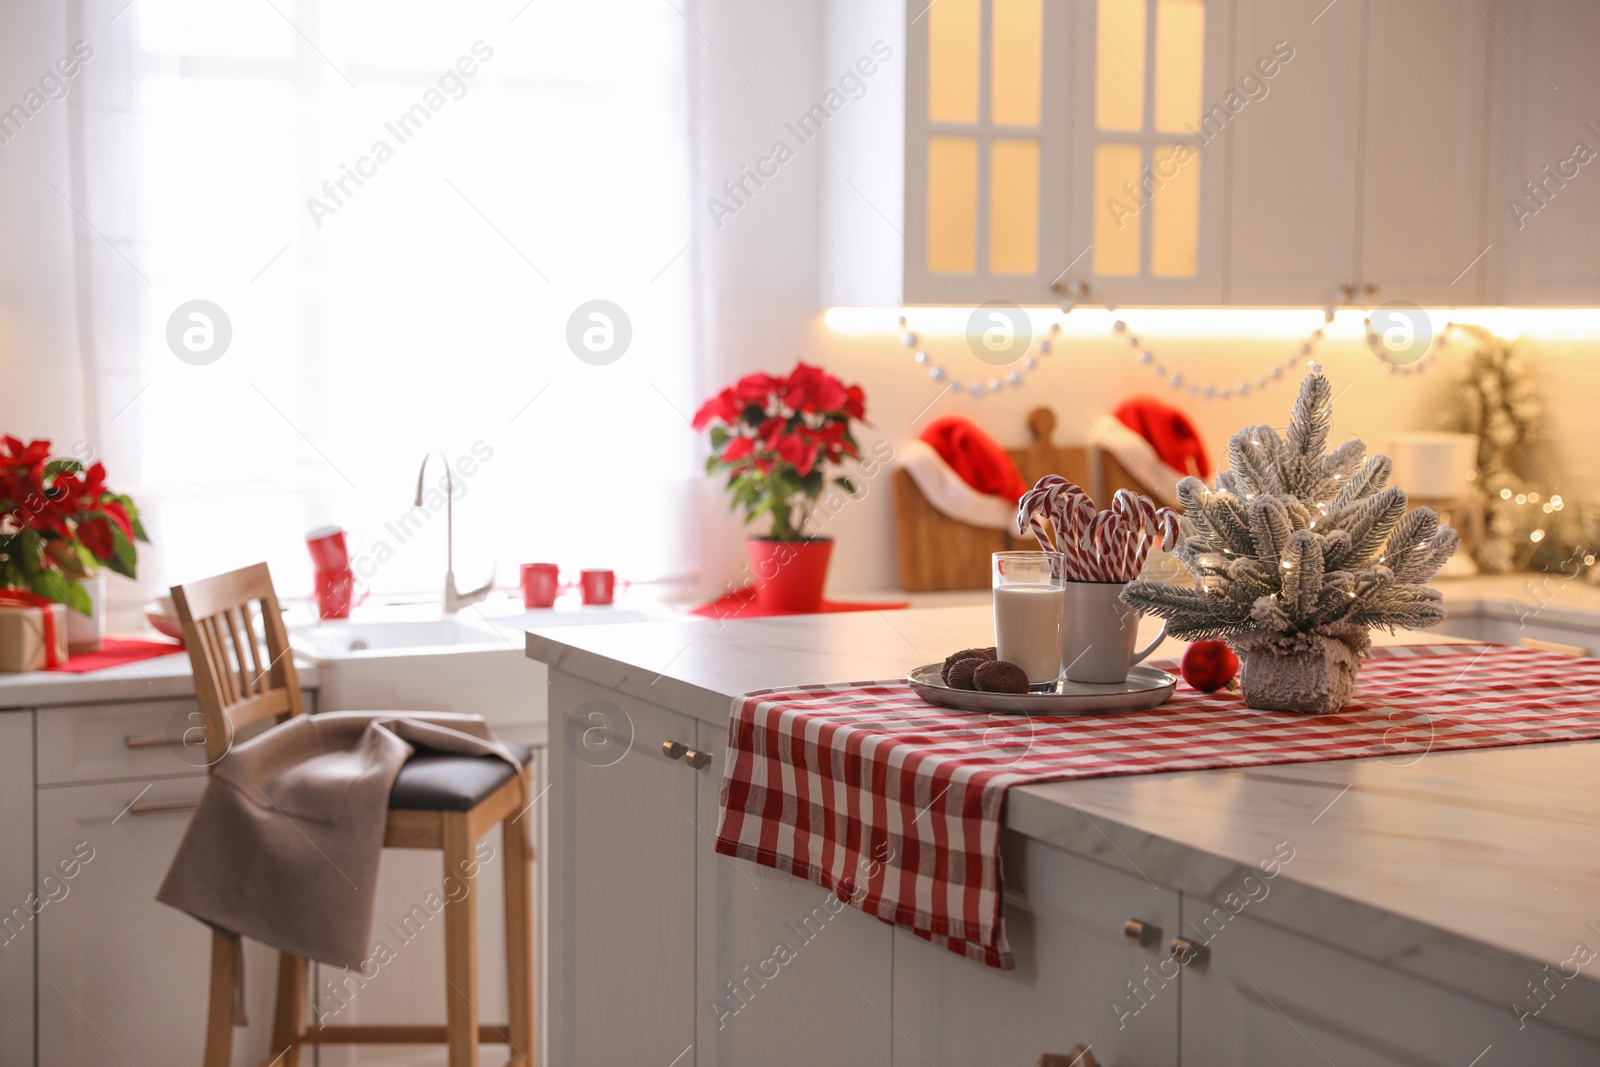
776,437
60,524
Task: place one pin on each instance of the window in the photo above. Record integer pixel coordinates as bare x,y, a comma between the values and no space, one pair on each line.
403,211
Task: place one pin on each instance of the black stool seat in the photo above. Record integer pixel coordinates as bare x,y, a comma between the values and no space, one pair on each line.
436,782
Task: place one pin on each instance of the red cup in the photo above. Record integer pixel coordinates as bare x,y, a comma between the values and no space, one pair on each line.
329,551
598,586
336,593
541,583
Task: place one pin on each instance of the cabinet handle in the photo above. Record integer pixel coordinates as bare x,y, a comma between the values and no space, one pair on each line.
1371,292
164,809
697,759
1080,1056
674,749
132,741
1187,952
1140,932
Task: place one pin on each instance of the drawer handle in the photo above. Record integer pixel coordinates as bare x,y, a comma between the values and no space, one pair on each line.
697,759
674,749
1140,932
164,809
158,741
1080,1056
1187,952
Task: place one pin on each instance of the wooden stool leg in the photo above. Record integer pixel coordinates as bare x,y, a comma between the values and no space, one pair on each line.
519,938
289,1020
460,942
219,1015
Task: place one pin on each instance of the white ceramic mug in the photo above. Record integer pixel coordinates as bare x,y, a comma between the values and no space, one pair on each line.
1098,634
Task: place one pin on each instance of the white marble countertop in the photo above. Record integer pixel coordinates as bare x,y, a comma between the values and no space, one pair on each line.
1471,869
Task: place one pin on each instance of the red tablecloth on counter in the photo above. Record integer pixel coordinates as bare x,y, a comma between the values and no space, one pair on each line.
116,652
895,804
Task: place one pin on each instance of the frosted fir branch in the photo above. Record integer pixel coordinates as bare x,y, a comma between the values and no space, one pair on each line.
1423,561
1253,458
1228,482
1269,526
1300,516
1368,537
1343,462
1302,575
1405,607
1259,575
1312,419
1230,526
1367,481
1336,546
1268,614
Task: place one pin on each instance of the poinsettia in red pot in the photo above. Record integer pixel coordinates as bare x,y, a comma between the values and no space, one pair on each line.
59,524
776,439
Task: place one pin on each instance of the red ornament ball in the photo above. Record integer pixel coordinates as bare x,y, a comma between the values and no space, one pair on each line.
1209,666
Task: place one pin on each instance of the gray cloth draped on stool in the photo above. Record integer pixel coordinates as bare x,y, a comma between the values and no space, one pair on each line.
285,844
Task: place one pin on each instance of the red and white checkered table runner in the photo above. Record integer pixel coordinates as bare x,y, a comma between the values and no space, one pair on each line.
895,804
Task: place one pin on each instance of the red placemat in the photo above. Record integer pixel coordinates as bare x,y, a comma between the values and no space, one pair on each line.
741,604
895,804
116,652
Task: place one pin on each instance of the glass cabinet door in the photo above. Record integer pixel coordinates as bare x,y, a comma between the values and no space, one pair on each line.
1150,123
986,149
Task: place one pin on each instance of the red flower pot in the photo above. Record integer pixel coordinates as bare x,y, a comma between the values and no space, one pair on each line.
789,575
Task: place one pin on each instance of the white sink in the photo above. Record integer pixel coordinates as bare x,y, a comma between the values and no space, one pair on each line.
381,638
410,658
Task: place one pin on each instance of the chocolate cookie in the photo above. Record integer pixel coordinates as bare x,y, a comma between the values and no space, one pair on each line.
998,676
968,653
961,673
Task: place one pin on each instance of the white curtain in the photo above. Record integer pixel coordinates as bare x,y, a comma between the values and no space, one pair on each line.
398,207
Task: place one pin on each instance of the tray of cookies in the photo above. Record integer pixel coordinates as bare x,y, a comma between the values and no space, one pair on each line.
974,679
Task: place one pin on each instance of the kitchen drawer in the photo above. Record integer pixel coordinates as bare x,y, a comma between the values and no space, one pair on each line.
106,742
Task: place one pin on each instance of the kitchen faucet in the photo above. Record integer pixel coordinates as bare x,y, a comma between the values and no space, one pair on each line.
454,601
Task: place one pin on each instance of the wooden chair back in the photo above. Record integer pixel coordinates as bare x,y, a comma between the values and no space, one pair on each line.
242,674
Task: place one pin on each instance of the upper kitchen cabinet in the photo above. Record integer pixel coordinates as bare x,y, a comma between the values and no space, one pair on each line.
1296,145
1423,153
1216,152
1149,176
987,150
1544,181
1358,174
1045,143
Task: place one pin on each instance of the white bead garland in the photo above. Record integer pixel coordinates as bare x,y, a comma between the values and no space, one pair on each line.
1176,379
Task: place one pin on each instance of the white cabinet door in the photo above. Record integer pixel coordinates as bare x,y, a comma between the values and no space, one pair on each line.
1424,152
1296,152
1544,191
123,979
1264,997
788,975
17,899
1079,977
621,880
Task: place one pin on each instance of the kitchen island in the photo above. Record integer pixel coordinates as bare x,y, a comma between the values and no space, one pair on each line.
1419,908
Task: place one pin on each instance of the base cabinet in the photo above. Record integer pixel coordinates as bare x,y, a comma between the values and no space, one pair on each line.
17,898
1264,997
621,881
1080,978
122,978
777,955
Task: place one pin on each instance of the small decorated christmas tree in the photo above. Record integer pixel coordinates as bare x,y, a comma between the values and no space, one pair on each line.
1296,554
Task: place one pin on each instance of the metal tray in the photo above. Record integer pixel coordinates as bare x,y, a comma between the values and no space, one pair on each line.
1145,688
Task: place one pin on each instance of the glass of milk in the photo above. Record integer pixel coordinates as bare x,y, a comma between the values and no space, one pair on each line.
1029,599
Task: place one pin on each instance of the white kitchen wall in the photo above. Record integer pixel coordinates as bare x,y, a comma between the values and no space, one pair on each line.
41,387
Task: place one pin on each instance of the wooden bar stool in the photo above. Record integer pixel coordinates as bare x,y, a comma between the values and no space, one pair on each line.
438,802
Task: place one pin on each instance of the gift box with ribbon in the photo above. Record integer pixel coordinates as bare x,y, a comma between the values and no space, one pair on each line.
33,631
